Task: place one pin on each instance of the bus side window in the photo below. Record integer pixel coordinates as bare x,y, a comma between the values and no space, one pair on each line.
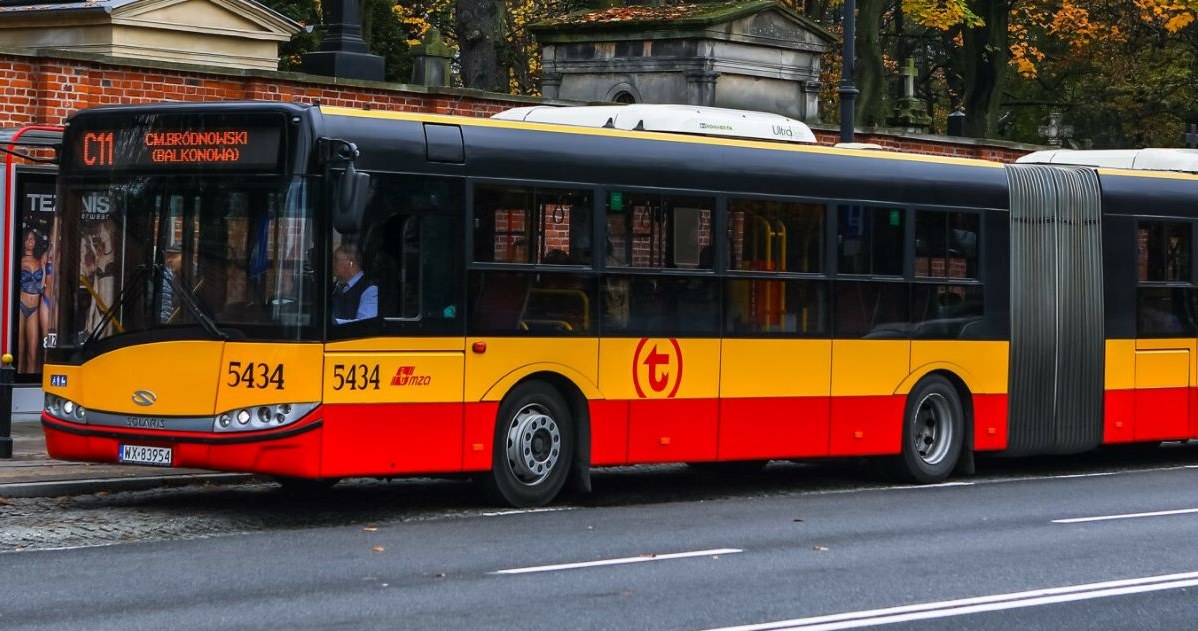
523,225
497,302
661,304
649,230
946,244
773,236
387,249
870,240
1166,298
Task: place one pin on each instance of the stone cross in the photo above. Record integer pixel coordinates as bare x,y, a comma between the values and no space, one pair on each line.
909,73
1054,132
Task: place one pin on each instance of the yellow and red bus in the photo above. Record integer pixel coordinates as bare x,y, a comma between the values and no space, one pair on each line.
546,299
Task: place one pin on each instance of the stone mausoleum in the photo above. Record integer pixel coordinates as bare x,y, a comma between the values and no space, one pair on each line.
240,34
756,55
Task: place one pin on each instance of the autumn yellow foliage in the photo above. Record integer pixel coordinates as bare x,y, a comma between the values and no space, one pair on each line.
941,14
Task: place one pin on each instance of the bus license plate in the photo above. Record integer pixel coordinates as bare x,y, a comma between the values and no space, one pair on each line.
139,454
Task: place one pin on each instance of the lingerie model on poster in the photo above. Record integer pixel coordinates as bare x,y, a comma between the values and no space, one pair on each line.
35,282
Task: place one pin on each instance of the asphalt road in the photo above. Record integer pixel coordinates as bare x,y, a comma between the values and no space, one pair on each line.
654,548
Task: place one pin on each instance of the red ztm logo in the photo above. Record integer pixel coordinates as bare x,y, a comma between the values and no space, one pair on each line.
406,376
661,370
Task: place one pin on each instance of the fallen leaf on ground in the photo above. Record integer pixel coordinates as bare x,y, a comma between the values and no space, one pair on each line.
377,549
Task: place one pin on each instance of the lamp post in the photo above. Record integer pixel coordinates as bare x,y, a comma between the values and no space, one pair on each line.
343,52
848,91
6,378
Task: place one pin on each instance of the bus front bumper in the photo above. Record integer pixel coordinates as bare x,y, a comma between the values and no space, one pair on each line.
294,450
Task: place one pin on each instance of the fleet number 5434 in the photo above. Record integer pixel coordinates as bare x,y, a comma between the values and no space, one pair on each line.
255,375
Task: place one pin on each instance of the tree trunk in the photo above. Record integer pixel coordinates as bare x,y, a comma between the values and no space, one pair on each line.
480,37
871,74
985,68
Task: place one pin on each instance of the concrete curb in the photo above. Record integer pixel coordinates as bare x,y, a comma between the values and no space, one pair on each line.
57,488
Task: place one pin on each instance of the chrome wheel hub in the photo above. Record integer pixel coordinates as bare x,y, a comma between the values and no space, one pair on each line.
933,429
534,444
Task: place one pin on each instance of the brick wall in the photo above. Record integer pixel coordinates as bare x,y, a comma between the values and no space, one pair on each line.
948,146
45,90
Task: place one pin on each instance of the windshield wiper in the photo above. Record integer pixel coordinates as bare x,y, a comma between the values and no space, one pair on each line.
189,302
131,289
134,287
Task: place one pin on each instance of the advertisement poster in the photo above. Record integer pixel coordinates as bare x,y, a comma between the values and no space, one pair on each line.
35,237
99,264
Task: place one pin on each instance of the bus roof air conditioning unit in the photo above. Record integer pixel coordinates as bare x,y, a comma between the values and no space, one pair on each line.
675,119
1181,160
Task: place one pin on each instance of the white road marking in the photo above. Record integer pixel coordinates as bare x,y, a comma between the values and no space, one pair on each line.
640,559
979,604
550,509
1159,513
1070,476
911,487
1030,478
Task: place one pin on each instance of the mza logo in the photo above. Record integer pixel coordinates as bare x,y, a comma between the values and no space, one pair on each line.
406,376
658,365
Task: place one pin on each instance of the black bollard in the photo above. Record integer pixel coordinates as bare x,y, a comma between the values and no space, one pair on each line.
7,371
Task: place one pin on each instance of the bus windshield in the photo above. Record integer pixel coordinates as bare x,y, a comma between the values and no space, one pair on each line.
171,257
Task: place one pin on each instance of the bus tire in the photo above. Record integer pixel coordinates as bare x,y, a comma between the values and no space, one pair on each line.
933,432
534,446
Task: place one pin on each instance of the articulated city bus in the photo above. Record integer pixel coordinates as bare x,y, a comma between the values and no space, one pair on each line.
525,301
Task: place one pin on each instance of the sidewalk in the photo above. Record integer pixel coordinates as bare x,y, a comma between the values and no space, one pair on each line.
31,473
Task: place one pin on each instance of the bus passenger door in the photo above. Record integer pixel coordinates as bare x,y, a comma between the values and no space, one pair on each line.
871,358
1162,390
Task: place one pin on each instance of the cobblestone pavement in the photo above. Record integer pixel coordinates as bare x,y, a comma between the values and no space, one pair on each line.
211,510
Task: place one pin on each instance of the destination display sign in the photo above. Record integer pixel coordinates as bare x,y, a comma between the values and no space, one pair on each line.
195,142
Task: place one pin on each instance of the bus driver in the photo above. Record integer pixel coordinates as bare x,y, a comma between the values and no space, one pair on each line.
354,297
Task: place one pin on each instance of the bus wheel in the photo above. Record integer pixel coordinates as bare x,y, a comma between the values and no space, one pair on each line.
534,446
933,432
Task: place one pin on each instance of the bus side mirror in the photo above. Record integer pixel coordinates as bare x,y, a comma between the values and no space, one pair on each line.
349,200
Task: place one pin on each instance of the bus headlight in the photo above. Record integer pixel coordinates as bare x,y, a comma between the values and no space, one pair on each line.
260,417
65,409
